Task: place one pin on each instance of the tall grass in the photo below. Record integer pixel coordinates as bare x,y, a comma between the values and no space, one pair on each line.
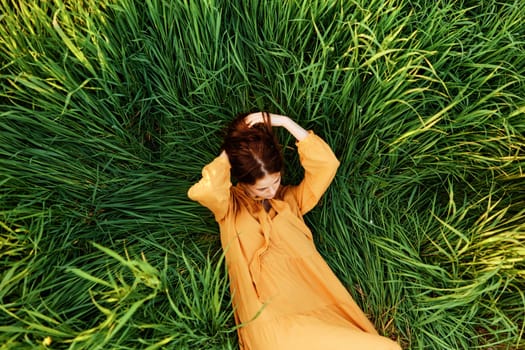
109,110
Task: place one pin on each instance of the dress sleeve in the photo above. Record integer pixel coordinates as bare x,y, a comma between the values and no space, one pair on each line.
213,189
320,165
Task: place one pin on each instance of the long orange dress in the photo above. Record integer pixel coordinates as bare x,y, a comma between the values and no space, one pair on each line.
284,294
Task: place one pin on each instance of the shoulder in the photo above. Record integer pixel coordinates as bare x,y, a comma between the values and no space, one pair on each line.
286,194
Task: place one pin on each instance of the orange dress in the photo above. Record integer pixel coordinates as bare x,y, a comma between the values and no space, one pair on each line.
284,294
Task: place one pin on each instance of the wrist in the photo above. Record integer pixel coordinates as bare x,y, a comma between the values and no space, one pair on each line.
293,128
280,120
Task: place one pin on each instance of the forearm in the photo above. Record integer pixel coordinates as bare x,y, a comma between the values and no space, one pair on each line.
289,124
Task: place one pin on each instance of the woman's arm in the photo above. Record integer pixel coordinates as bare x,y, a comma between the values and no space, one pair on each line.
213,189
320,166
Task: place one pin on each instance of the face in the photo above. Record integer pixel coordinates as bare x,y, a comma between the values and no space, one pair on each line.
265,187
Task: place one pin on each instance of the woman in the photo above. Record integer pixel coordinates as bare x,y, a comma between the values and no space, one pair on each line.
284,294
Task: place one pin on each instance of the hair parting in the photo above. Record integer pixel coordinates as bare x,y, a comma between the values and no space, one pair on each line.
253,151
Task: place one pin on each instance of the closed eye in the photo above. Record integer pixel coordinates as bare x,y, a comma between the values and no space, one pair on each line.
275,182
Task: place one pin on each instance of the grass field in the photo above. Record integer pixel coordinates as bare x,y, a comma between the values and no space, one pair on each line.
109,109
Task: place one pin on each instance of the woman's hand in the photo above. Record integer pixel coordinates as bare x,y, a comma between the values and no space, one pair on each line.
278,120
257,117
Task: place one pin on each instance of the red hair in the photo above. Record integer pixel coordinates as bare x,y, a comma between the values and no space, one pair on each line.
253,151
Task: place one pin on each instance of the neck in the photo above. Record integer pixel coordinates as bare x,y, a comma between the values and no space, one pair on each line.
266,205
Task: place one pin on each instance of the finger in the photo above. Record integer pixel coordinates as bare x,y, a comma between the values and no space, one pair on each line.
248,121
253,119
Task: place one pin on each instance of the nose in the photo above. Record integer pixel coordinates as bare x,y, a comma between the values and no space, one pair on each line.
272,191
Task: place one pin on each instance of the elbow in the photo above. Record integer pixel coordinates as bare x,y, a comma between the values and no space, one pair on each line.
334,163
332,167
191,192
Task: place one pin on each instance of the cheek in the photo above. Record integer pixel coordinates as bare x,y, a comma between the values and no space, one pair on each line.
256,193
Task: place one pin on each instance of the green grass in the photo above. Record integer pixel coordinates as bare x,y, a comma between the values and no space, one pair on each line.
109,110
